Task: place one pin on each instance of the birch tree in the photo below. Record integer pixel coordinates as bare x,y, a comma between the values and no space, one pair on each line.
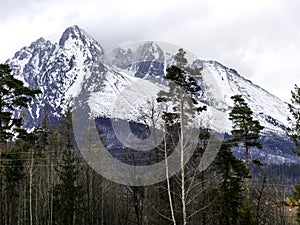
183,86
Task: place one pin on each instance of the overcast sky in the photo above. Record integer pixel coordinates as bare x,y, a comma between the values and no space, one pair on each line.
258,38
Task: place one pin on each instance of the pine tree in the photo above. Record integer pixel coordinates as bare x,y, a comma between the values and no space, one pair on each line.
13,96
69,191
246,216
246,132
294,131
245,129
13,175
230,192
183,87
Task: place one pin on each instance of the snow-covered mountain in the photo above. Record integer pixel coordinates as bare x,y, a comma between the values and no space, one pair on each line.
58,70
77,68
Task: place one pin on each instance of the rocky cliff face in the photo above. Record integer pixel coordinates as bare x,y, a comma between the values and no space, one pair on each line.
56,69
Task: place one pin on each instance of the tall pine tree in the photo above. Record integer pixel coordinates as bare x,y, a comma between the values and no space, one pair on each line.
245,128
230,192
294,133
13,96
294,130
68,193
245,132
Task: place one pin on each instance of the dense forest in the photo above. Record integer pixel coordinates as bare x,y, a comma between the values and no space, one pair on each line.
44,179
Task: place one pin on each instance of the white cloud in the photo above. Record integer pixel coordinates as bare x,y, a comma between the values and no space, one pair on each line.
260,39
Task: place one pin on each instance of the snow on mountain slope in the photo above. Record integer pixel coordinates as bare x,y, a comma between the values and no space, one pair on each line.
268,109
149,60
75,67
58,70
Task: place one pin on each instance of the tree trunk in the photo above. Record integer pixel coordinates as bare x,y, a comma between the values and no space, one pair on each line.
182,160
247,157
30,188
167,177
247,180
51,196
1,193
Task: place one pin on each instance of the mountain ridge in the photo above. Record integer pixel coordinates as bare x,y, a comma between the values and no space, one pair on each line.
76,65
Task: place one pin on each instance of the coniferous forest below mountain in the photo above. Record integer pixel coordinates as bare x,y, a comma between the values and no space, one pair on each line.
45,180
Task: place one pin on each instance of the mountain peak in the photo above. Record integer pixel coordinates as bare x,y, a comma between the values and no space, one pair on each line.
150,51
74,27
40,43
40,40
73,32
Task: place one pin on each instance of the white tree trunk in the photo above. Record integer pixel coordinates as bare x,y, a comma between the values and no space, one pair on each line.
168,181
182,159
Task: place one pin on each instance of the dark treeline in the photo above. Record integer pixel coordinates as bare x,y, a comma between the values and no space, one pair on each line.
44,180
